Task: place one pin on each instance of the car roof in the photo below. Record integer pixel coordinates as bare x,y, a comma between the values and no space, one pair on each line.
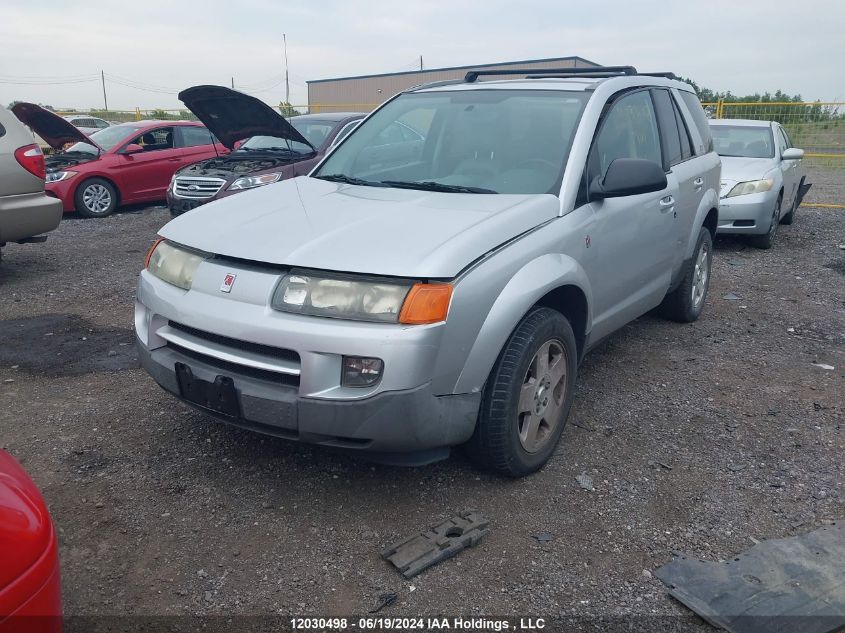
148,123
578,84
741,122
330,116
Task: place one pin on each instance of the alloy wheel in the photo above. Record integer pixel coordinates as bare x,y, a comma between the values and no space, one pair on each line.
542,396
96,198
700,274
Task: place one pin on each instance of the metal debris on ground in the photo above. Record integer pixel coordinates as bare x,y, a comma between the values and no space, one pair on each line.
543,537
731,297
824,366
655,464
585,481
384,600
779,586
438,543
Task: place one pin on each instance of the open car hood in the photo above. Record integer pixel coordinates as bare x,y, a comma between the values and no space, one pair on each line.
233,116
55,130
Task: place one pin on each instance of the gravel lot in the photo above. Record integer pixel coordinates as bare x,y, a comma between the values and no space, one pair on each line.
163,511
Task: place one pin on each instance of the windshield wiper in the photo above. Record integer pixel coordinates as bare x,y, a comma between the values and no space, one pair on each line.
350,180
431,185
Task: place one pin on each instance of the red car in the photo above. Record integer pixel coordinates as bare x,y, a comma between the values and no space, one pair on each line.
30,586
121,164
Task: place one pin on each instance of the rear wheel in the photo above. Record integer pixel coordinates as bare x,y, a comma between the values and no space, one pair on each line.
95,198
685,302
766,241
527,397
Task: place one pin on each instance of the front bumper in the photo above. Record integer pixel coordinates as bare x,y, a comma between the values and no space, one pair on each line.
286,369
408,421
750,214
178,206
26,215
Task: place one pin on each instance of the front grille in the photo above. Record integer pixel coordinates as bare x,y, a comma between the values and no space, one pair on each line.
196,188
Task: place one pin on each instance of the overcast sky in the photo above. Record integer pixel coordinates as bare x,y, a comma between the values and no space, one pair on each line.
52,50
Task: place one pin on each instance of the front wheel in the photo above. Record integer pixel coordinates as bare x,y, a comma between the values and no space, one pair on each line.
527,397
96,198
684,303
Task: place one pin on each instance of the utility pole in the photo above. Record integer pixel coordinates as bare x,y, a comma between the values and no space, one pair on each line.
287,82
421,64
105,100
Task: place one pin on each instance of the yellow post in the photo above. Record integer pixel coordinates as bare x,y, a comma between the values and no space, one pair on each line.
137,113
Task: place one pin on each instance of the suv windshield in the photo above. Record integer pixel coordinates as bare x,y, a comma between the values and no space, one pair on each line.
465,141
107,138
743,140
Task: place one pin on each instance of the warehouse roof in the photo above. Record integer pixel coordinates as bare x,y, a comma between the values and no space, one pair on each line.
573,58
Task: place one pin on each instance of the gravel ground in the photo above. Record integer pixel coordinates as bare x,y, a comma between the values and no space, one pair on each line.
699,438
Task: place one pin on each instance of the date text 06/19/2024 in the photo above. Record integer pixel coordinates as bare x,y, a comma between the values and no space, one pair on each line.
468,625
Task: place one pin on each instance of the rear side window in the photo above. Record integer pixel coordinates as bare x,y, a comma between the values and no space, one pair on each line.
686,143
699,119
669,134
193,136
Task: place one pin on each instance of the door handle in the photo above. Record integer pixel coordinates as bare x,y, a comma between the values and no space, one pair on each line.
698,182
667,202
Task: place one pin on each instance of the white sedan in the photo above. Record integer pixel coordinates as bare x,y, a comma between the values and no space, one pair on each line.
762,181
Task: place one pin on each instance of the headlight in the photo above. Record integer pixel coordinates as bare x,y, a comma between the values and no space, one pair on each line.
174,264
249,182
752,186
57,176
342,297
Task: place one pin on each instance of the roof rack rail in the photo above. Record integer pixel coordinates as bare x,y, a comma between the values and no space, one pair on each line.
604,71
665,74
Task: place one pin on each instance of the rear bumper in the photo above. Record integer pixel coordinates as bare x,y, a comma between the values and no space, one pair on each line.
389,423
27,215
750,214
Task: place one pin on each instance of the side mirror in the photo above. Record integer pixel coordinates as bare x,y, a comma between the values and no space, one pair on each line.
793,153
132,148
628,177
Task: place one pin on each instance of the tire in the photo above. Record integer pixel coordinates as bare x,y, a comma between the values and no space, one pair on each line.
685,303
766,241
505,440
95,198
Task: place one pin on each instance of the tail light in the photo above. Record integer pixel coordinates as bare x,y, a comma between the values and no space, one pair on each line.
31,158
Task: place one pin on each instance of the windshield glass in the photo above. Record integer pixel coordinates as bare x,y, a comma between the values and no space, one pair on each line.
107,138
468,141
742,140
272,143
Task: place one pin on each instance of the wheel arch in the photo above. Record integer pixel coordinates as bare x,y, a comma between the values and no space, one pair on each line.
552,280
707,215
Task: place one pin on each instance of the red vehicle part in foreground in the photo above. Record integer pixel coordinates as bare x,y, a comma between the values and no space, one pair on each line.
30,586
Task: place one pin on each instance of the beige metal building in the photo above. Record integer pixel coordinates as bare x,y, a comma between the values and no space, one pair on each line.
363,93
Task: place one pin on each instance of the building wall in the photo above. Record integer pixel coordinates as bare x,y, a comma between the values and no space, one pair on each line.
366,92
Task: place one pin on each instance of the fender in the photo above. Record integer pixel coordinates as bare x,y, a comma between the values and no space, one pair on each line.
532,282
710,200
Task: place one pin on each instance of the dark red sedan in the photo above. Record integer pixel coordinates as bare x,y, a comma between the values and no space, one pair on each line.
30,586
267,147
121,164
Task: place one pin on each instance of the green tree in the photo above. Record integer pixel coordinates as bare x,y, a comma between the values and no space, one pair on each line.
287,110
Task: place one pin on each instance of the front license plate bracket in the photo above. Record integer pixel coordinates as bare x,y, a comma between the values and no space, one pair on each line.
219,396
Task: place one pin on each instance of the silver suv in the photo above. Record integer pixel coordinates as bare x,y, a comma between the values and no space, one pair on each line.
405,298
25,211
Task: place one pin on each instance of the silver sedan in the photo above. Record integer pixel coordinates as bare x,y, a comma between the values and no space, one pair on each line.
762,178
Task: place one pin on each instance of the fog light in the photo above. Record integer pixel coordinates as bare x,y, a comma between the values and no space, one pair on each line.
361,372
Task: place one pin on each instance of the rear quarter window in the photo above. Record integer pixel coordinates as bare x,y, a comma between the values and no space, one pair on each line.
700,120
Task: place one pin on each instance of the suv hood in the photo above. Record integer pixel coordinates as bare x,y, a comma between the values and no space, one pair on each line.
311,223
55,130
233,116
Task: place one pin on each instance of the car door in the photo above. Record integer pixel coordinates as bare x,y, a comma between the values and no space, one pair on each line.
631,242
196,143
789,169
146,174
679,158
